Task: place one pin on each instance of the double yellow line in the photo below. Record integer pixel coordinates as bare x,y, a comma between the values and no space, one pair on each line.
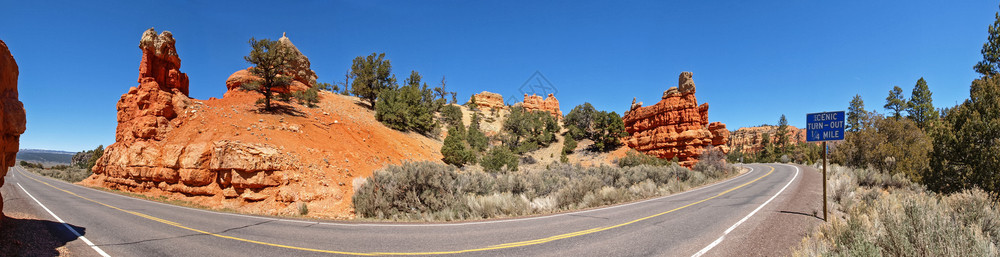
493,247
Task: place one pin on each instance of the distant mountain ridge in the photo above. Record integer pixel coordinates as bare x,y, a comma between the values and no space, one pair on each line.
45,151
43,156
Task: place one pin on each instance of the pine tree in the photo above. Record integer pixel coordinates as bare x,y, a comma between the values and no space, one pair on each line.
895,102
477,140
270,62
454,150
782,135
920,107
990,65
372,75
854,113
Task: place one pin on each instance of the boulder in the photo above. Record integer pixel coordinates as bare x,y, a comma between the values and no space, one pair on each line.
676,126
12,120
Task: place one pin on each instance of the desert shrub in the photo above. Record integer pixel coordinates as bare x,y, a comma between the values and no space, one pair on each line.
61,172
634,158
405,191
903,221
428,191
712,163
500,158
303,209
308,97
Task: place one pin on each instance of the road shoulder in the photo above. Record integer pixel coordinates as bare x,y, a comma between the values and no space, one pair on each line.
781,225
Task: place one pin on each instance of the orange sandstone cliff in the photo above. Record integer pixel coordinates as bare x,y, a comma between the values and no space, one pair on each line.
12,121
226,153
488,100
750,140
676,126
535,103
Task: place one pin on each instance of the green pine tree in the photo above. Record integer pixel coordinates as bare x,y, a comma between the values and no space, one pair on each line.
270,62
895,102
920,107
854,113
990,65
372,75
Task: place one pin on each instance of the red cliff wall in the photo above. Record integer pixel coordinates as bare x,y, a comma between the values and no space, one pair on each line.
12,123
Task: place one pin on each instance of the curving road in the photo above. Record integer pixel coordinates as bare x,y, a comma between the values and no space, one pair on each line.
733,217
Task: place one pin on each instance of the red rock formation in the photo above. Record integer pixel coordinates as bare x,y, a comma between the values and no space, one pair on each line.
223,153
674,127
241,77
749,140
300,63
488,100
536,103
12,123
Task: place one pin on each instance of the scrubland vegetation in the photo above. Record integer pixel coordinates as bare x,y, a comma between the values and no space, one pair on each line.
67,173
429,191
920,181
880,214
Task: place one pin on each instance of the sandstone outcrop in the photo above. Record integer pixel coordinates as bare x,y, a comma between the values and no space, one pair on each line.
750,140
222,153
676,126
488,100
12,122
302,74
301,69
535,103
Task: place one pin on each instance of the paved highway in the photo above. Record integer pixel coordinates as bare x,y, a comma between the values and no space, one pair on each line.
708,220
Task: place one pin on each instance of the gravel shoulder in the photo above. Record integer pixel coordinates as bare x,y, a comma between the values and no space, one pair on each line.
780,226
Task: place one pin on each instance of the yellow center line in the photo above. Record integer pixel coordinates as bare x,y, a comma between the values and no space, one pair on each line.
493,247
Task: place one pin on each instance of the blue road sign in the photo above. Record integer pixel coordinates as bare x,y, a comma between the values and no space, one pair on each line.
825,126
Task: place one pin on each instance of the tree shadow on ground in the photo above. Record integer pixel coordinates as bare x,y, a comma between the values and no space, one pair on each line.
32,237
281,109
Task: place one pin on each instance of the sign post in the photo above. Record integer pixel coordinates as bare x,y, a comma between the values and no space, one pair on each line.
822,127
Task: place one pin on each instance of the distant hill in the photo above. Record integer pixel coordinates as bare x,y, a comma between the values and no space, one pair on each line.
48,157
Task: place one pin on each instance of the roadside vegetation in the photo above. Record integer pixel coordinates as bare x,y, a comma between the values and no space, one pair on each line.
919,181
427,191
78,170
66,173
875,213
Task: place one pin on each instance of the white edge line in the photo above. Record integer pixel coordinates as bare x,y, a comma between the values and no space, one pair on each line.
423,225
85,240
717,241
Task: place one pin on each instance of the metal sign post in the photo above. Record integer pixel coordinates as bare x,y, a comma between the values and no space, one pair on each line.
822,127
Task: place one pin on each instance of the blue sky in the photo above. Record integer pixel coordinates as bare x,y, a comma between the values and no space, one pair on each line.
752,60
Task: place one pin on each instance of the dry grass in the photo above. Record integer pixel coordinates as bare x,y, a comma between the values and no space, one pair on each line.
875,214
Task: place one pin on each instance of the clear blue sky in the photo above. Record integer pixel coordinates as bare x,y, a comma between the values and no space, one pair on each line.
752,61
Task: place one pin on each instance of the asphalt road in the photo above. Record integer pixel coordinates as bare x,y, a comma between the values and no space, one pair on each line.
701,221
